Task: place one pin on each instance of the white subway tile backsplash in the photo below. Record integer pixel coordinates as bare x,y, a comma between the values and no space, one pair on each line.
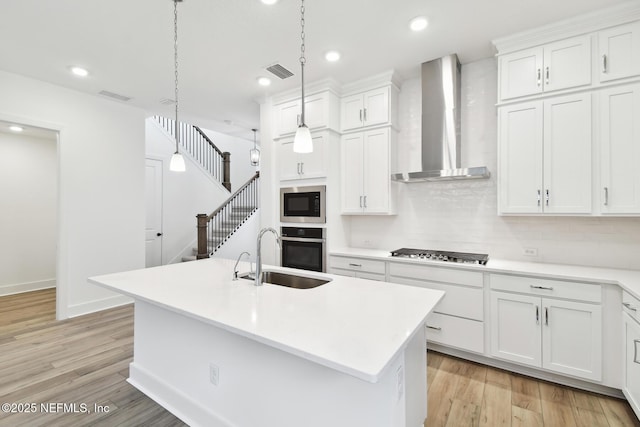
463,216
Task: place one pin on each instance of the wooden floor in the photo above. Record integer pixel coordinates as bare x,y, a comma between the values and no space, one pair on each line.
85,360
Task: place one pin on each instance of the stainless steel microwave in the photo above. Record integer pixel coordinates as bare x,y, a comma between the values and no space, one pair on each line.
303,204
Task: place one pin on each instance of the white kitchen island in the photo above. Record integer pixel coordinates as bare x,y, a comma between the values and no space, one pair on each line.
218,352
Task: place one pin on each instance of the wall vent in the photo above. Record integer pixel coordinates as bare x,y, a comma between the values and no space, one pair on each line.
167,101
279,71
114,95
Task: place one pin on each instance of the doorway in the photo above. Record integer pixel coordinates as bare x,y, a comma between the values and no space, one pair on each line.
29,215
153,200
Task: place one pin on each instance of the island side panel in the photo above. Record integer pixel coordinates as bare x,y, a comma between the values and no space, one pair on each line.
261,385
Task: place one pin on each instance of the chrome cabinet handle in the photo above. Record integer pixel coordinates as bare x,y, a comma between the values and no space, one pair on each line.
539,197
360,201
546,316
299,168
606,196
539,81
537,315
604,63
435,328
360,114
546,288
546,196
635,351
302,168
546,76
355,265
365,114
629,306
365,201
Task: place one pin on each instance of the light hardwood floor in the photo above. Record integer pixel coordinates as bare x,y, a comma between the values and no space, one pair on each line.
86,360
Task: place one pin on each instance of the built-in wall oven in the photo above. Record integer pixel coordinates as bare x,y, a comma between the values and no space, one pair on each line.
303,248
303,204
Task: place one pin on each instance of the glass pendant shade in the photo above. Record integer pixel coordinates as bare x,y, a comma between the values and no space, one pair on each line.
177,163
302,142
254,156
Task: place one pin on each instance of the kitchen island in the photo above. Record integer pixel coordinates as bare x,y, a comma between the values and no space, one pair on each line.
219,352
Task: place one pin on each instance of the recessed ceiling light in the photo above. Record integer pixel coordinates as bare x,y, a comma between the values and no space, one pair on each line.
79,71
269,2
264,81
418,23
332,56
15,128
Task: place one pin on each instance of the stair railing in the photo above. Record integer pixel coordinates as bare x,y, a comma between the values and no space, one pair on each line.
217,228
195,142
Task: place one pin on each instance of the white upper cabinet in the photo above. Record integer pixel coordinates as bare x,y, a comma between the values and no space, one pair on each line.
620,150
321,111
619,52
370,108
561,65
545,156
303,165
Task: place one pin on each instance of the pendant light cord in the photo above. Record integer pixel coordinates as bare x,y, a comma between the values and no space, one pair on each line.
175,57
303,60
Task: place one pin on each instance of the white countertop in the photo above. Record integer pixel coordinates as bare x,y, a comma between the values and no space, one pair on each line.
629,280
355,326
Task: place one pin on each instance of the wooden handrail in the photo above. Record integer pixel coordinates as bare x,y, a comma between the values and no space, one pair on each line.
208,140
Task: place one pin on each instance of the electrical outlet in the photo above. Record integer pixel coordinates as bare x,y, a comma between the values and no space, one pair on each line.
214,374
530,252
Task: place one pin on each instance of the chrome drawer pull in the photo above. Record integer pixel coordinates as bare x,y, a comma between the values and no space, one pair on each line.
546,288
435,328
537,315
635,351
355,265
629,306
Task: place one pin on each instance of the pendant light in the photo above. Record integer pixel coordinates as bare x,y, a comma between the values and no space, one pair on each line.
302,142
177,161
254,153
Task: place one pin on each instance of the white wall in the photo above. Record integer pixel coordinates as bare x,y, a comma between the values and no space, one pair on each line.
29,215
462,215
101,184
241,169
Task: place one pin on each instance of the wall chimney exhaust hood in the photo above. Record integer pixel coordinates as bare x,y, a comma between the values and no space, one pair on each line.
441,125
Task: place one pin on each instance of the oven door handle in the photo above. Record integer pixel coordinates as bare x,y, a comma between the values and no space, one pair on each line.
302,239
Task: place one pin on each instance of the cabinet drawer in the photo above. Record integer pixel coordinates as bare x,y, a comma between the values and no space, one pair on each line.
357,264
631,305
546,288
459,301
436,274
453,331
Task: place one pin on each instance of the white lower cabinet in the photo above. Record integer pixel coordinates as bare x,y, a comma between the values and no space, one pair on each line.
631,351
554,334
357,267
458,319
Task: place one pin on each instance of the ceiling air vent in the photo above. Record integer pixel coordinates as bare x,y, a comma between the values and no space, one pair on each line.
114,95
279,71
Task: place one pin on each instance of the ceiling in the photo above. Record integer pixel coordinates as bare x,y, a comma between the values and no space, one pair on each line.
224,45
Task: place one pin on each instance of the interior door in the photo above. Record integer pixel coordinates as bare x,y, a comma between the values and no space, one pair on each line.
153,198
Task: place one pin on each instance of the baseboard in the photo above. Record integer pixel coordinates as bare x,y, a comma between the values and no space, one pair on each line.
174,401
19,288
97,305
529,372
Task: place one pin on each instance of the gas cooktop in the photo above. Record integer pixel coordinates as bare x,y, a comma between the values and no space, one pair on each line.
433,255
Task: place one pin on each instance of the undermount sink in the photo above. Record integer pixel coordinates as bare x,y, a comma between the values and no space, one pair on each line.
288,280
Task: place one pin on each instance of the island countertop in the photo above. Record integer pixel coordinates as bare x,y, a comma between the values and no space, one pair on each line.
353,325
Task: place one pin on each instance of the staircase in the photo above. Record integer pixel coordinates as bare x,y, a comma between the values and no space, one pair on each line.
200,148
218,227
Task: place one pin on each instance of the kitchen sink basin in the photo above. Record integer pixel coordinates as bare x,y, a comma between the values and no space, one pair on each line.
288,280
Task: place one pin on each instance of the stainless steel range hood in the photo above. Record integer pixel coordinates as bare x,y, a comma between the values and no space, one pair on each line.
441,125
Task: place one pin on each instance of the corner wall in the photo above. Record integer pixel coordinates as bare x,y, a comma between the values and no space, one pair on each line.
101,185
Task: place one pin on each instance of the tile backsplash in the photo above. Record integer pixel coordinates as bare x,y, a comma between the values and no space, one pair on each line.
462,215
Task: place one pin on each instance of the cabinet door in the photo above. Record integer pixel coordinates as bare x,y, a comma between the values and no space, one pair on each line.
288,162
520,162
521,73
312,165
572,338
567,154
315,111
288,115
620,150
377,177
352,170
351,112
619,50
567,63
376,107
515,328
631,382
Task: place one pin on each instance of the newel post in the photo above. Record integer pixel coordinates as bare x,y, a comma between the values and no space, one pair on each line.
203,251
226,170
